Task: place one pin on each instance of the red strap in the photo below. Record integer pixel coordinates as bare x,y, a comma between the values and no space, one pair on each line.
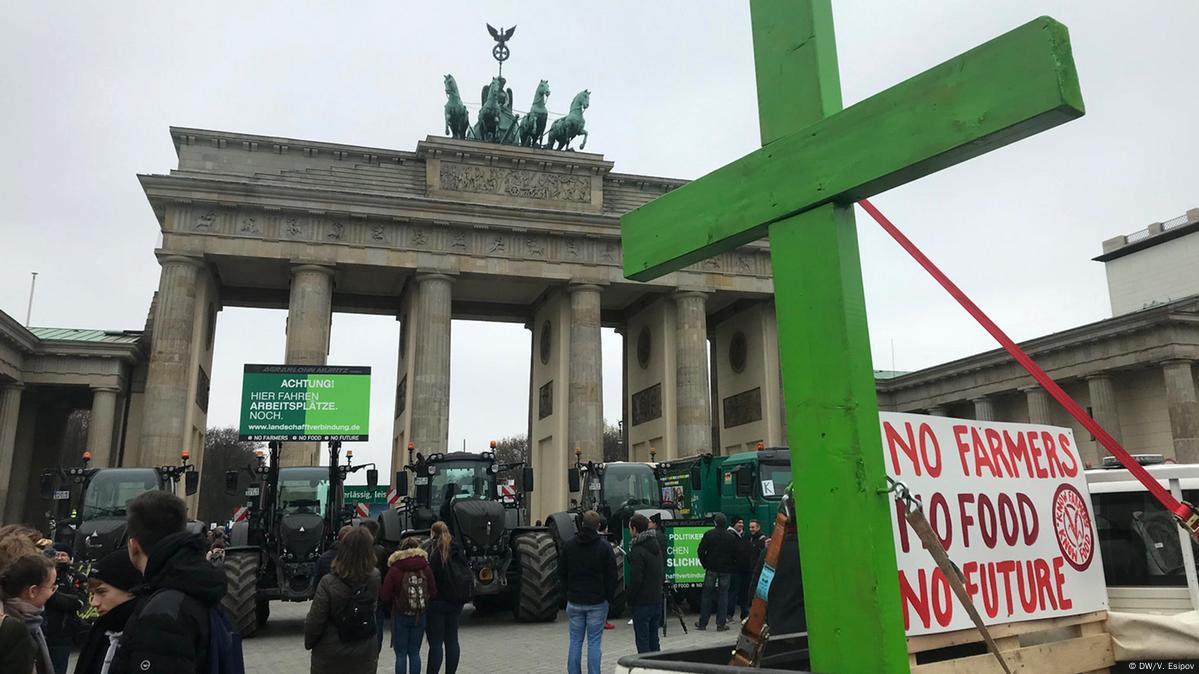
1183,511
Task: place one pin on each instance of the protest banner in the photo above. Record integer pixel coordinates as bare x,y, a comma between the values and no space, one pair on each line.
683,569
1010,504
305,403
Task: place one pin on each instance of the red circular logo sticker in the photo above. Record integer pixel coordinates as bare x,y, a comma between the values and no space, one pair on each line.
1072,526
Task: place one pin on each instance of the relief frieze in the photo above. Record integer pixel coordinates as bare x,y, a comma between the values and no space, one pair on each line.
515,183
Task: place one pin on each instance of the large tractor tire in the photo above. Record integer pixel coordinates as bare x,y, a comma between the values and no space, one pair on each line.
240,600
616,608
539,593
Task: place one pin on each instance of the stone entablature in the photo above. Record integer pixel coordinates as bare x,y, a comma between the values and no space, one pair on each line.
1136,340
479,201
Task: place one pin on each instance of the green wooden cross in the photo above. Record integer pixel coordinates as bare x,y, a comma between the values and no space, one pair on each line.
816,160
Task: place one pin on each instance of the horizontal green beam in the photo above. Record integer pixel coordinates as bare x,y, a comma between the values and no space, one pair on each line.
1012,87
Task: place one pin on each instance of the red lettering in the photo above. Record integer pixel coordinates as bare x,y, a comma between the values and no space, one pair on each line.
966,519
1063,441
1029,525
982,457
1035,450
942,601
1045,596
1018,448
1007,516
989,591
986,521
926,431
1050,453
1005,568
968,571
1028,591
958,431
1059,581
938,512
895,441
1003,462
908,597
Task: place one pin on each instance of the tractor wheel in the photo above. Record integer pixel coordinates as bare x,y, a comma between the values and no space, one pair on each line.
616,608
538,591
240,600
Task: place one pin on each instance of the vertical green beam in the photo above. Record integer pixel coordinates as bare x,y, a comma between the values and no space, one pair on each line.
844,524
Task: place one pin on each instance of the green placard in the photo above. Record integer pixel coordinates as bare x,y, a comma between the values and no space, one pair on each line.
683,569
364,494
305,403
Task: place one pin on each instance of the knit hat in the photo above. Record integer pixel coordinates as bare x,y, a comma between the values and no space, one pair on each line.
116,570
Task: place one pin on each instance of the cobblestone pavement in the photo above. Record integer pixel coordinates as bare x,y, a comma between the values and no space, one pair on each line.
490,643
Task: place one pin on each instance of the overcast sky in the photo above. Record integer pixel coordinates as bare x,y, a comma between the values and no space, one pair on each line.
90,89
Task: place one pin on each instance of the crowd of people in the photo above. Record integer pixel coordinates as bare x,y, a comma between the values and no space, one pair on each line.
157,601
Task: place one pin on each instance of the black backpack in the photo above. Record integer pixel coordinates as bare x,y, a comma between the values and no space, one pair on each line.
224,645
455,582
356,619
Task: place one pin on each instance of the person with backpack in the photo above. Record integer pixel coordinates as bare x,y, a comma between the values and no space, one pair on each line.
454,581
341,624
177,625
26,584
408,590
110,585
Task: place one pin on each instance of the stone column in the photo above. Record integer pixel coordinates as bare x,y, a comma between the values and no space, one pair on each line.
691,374
309,320
169,374
1039,409
1184,409
984,408
938,411
10,408
100,425
586,400
1103,408
429,396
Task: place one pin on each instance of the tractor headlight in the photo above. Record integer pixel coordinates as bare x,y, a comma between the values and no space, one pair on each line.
486,575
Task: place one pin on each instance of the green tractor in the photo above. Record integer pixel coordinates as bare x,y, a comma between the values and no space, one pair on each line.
617,490
513,565
294,515
87,508
749,485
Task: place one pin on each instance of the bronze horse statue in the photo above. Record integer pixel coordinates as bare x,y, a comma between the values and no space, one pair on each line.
457,121
532,125
489,114
564,130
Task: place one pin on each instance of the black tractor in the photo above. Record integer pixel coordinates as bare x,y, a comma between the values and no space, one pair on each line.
514,566
616,490
87,505
293,516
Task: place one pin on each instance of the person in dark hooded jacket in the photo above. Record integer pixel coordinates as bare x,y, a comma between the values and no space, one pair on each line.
587,569
111,584
644,589
168,631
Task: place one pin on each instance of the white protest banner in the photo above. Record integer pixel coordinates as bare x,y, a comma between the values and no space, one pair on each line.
1009,502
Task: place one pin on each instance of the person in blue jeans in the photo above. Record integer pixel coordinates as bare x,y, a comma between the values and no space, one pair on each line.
644,589
409,589
587,569
453,590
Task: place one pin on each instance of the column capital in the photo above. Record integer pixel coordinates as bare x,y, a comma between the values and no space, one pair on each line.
423,276
1098,376
1177,361
688,293
104,388
11,385
1031,388
165,258
576,286
984,398
303,267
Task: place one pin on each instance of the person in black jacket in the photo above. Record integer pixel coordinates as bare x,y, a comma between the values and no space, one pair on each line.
168,631
587,569
111,584
644,589
62,609
718,556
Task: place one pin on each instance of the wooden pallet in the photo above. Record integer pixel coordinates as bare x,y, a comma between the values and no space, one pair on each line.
1071,645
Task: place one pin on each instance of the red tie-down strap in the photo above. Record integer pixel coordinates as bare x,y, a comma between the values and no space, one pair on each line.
1184,512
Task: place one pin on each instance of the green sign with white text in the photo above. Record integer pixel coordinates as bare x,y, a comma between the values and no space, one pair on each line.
305,403
683,569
